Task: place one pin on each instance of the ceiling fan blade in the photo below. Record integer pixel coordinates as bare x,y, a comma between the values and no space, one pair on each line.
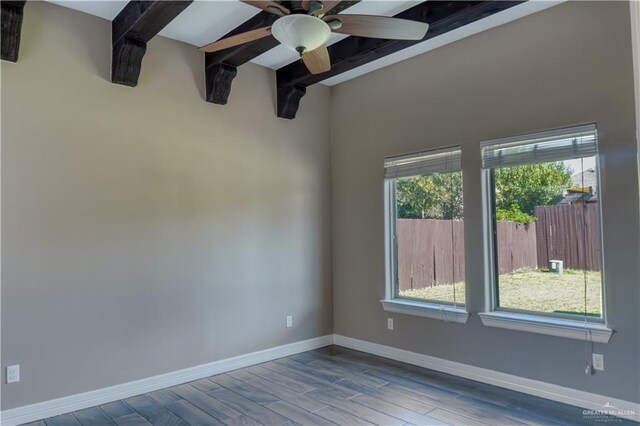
269,6
378,27
317,61
236,40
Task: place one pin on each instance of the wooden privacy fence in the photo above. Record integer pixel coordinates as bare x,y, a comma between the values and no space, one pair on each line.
516,246
425,254
562,235
431,252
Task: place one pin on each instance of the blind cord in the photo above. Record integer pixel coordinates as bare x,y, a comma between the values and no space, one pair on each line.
453,252
587,351
443,311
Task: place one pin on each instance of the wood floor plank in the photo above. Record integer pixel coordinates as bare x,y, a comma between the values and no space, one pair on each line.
454,418
133,419
306,357
341,417
298,415
192,414
317,383
487,413
245,389
206,402
204,385
240,375
250,408
164,396
92,416
285,394
315,371
116,409
358,410
349,373
153,412
285,381
242,420
434,393
384,394
396,411
450,401
445,382
62,420
412,394
328,350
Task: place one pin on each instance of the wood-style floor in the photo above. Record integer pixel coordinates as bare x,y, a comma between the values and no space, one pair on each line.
330,386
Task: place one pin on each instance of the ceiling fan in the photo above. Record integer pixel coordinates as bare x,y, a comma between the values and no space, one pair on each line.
306,26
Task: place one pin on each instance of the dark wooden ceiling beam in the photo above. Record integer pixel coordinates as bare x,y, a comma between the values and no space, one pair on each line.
353,52
11,28
221,67
137,23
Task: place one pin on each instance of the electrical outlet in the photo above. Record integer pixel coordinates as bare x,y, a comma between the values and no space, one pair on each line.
389,323
13,373
289,321
598,362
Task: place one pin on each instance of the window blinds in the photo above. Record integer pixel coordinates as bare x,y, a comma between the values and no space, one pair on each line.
423,163
554,145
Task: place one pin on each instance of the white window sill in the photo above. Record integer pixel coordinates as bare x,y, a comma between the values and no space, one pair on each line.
426,310
571,329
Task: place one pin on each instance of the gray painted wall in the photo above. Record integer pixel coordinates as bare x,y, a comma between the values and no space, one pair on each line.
144,230
138,243
567,65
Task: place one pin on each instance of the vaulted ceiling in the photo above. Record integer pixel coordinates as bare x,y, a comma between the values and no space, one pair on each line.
200,22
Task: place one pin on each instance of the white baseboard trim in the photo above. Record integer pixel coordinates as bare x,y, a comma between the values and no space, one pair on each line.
54,407
586,400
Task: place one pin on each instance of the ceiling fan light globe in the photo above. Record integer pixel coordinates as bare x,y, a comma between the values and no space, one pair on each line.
301,31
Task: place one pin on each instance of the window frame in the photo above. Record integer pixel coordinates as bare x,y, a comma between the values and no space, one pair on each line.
491,262
442,310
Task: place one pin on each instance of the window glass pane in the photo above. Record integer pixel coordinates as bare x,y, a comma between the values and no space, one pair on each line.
430,238
547,241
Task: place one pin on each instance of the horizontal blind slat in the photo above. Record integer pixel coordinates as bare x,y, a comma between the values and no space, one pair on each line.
558,145
423,163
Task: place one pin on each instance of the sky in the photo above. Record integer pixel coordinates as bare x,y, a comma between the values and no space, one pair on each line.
576,166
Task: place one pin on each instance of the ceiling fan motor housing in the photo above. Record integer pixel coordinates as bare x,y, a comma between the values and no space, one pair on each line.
301,33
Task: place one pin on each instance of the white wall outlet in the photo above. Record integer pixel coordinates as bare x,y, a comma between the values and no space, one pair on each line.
598,362
289,321
13,373
389,323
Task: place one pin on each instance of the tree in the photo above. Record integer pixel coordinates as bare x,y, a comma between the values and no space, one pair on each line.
514,214
437,196
519,189
522,188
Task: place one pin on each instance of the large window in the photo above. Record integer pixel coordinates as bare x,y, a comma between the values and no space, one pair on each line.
426,227
543,197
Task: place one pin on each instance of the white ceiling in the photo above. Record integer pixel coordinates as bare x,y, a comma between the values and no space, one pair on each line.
207,20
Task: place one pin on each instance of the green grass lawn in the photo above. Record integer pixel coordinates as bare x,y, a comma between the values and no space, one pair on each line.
532,290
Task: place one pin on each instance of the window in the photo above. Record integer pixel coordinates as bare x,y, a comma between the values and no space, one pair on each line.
544,216
425,229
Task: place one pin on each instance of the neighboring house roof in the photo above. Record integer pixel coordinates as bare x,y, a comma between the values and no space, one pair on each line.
578,198
584,189
586,179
